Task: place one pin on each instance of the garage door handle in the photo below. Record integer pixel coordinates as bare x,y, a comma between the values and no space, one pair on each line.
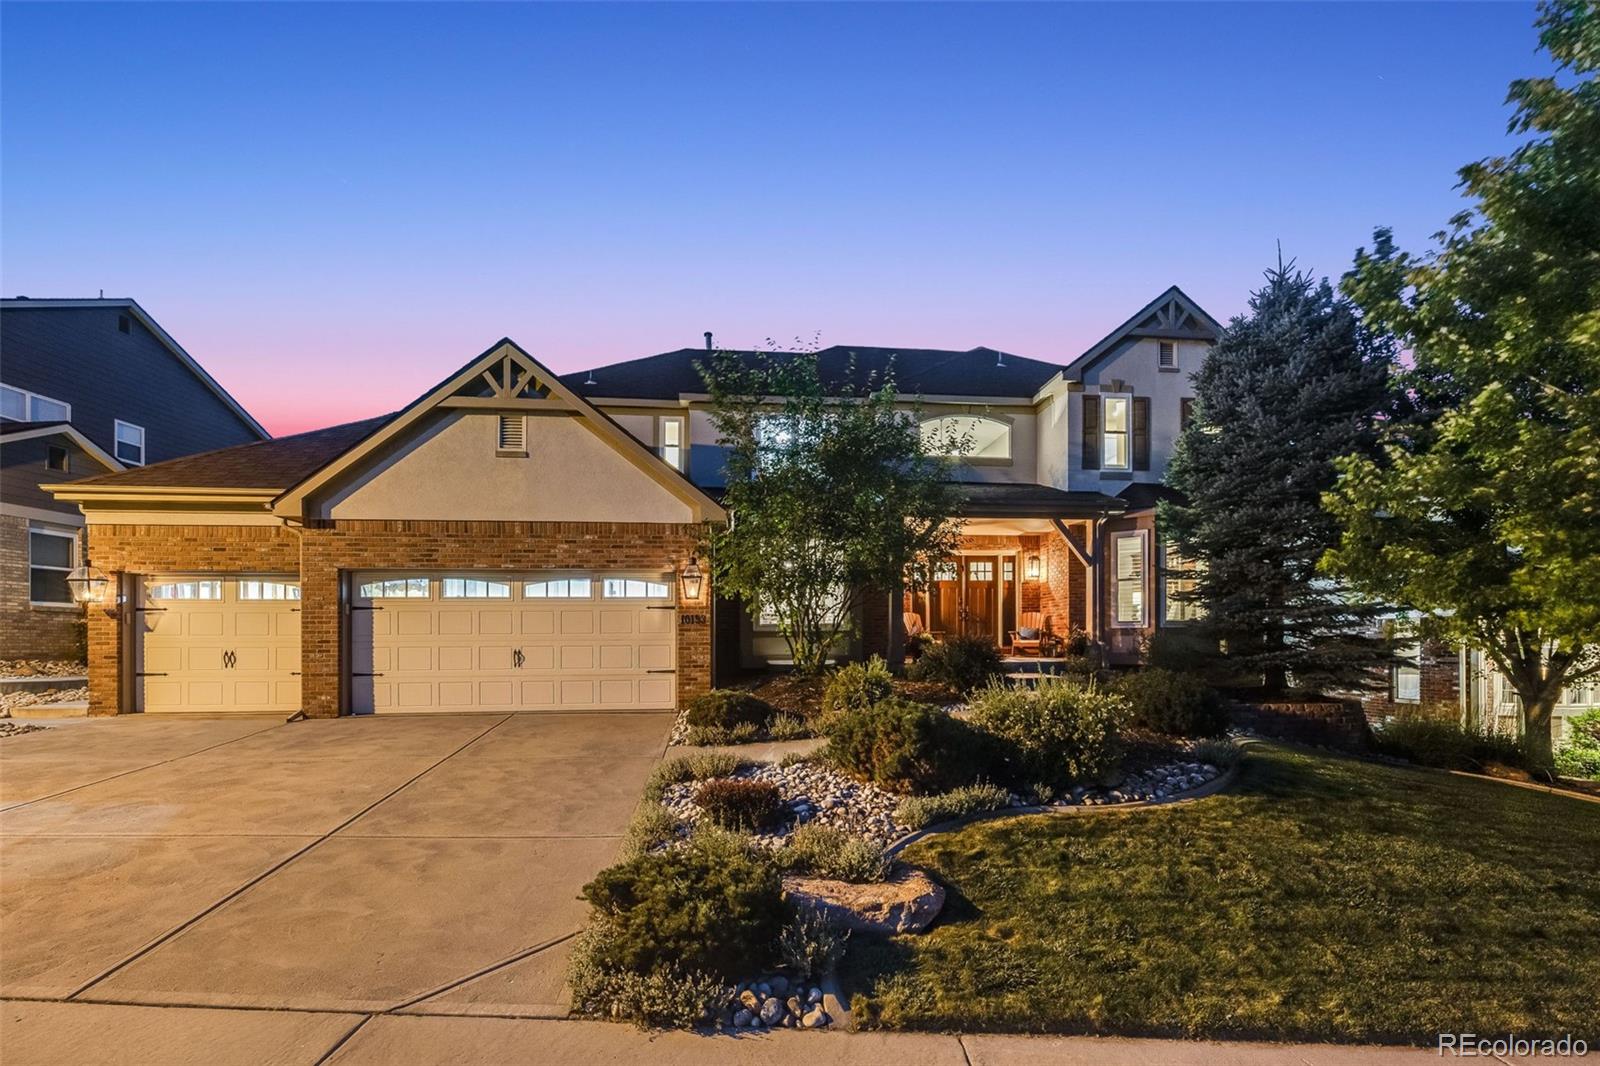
517,659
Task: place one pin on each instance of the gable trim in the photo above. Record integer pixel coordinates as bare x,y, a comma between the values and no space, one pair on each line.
1104,346
93,450
509,355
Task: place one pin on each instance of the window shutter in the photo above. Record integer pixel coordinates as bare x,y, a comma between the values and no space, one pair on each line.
1091,432
1141,433
513,433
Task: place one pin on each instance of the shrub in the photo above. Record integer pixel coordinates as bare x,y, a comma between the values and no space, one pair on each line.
1221,753
1446,744
919,811
1172,703
1060,732
707,736
809,947
696,767
652,826
725,708
795,758
908,747
711,906
788,727
1580,757
734,803
665,996
857,686
826,851
963,663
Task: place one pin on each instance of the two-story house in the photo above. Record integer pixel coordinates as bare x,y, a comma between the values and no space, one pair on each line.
86,387
516,539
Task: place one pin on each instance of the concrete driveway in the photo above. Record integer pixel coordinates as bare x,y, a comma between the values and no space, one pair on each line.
357,865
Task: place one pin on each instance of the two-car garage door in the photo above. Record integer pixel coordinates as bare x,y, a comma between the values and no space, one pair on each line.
496,641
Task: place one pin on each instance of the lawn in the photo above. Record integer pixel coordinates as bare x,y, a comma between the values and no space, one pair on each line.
1320,898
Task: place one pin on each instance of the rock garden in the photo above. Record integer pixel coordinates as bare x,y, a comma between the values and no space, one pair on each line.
744,882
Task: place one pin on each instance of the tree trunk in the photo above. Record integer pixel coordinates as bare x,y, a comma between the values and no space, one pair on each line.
1538,724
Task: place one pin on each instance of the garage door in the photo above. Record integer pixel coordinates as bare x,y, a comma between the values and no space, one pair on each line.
217,644
508,642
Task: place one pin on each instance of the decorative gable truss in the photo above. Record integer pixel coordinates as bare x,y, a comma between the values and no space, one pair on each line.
1170,316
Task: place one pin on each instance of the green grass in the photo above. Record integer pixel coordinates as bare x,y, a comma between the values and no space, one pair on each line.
1320,898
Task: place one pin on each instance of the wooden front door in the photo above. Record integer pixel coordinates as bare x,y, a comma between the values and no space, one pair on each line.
982,596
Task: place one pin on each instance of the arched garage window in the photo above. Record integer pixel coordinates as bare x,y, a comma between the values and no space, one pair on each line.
969,437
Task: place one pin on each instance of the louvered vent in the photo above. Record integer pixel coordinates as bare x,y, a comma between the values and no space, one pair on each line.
513,434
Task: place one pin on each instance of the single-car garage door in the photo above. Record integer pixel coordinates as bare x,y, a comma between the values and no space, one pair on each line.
495,641
215,644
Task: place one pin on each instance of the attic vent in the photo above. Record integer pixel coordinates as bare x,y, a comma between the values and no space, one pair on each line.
513,439
124,324
1167,358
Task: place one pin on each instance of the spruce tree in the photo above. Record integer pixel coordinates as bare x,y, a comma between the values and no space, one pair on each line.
1291,386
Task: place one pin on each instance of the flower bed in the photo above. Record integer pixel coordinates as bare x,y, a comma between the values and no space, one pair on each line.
810,792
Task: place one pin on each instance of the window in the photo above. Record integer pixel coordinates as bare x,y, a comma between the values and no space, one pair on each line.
561,588
1128,579
186,590
130,443
474,588
396,588
633,588
980,570
20,405
1115,452
56,458
268,590
124,324
670,434
1185,412
50,555
968,436
513,437
1167,355
1407,682
767,617
1180,580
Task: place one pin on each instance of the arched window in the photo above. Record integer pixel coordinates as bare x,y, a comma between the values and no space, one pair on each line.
978,437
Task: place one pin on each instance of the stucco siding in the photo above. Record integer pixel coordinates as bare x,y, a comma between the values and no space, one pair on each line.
1133,368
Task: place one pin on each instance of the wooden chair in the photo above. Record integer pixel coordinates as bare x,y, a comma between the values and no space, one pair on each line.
913,623
1038,625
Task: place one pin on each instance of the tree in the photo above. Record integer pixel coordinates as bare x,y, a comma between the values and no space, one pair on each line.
832,492
1483,509
1290,387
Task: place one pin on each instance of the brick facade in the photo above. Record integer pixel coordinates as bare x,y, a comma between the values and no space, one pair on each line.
322,553
1441,688
27,631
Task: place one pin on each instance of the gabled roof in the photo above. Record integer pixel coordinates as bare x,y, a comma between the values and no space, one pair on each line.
13,432
24,303
1170,316
977,372
992,499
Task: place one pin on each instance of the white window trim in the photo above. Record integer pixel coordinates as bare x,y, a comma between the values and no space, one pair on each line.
1143,537
28,396
116,428
72,561
1166,366
1106,432
968,458
682,465
1410,659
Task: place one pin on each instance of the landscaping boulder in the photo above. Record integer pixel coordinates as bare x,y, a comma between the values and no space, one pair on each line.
906,903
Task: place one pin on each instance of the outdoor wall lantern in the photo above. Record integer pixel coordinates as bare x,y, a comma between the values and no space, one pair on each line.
1033,568
90,586
693,580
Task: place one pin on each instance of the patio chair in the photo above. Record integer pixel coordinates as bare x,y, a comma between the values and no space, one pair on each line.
1031,634
913,623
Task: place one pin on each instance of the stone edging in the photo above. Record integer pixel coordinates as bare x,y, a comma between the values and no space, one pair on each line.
1210,788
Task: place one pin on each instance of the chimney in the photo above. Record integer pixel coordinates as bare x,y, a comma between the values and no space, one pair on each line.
708,340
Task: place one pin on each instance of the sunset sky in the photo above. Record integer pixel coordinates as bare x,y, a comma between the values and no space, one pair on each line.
333,206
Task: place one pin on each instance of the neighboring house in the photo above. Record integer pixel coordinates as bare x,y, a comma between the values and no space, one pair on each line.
517,540
86,387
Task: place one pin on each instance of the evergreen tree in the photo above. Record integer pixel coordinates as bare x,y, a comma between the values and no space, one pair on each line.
1291,386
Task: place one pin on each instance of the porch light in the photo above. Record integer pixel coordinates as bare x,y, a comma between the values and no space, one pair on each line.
1033,568
693,580
88,585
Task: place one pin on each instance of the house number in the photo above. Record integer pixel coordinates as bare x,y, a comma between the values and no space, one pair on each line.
692,619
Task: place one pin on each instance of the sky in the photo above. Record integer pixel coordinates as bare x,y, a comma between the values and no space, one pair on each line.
333,207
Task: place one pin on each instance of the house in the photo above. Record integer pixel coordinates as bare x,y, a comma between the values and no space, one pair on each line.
514,539
86,387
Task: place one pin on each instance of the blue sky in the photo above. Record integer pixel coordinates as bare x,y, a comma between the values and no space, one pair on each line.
332,206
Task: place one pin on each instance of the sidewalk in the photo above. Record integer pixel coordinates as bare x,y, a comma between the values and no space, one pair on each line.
88,1034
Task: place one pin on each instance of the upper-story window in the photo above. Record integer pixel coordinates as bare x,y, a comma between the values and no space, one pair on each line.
130,443
670,435
1116,435
968,437
1167,355
20,405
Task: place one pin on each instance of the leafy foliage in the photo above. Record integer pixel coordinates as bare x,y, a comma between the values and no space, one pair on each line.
725,708
809,947
1221,753
829,852
1061,732
664,996
857,686
963,663
908,747
1446,743
920,811
1289,388
735,803
1581,755
832,489
1480,513
710,906
1172,703
707,736
696,767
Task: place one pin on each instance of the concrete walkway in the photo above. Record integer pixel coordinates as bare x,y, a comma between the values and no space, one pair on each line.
76,1034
